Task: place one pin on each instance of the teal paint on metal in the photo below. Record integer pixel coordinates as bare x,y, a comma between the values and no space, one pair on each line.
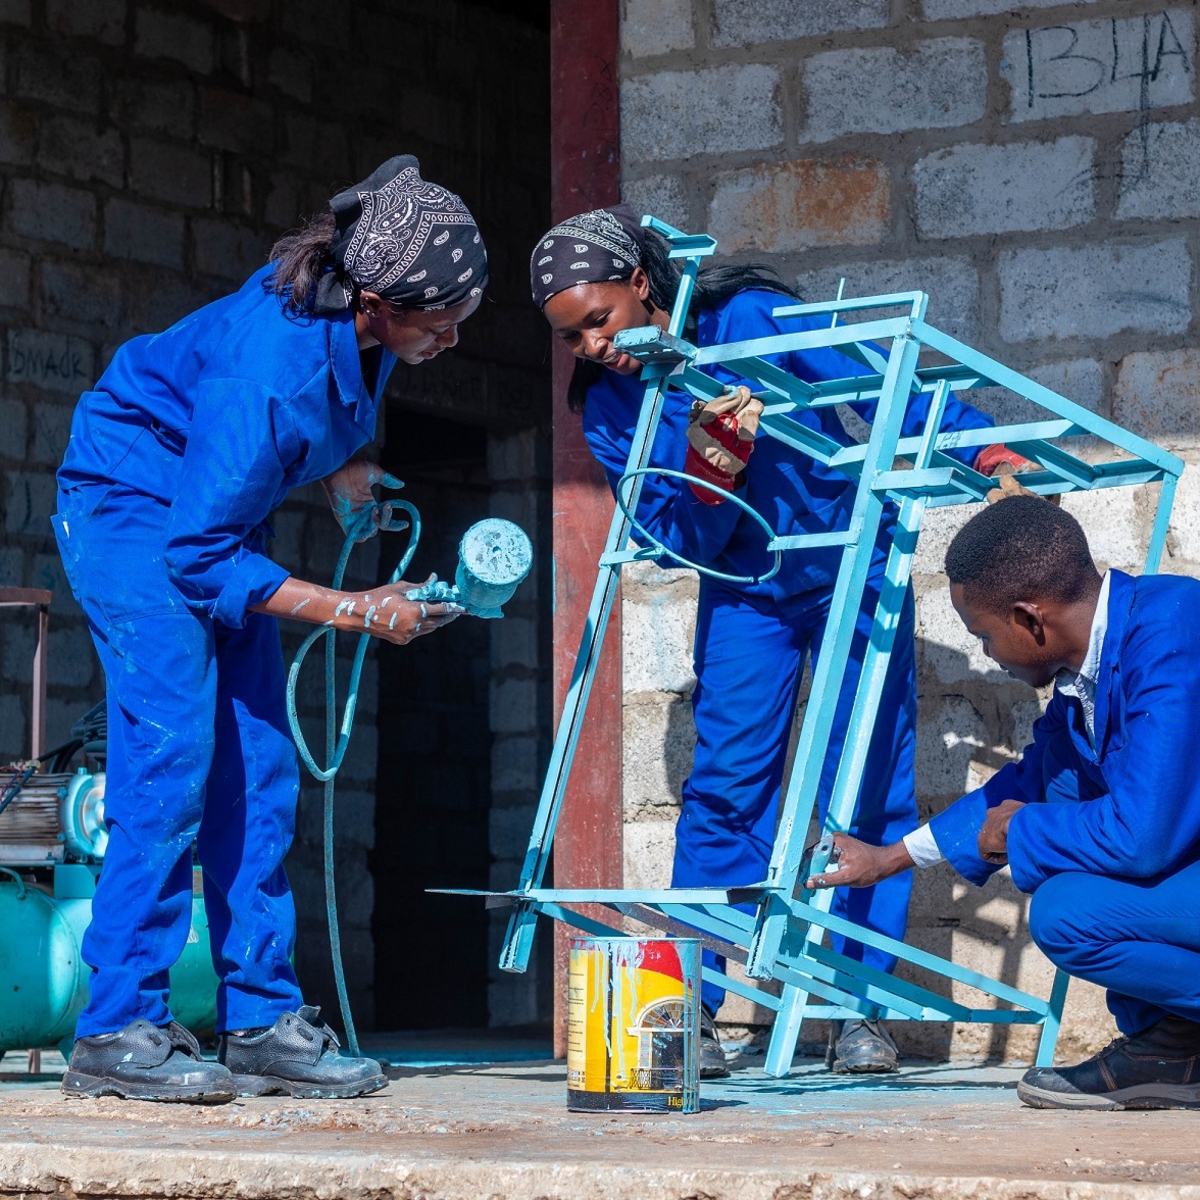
494,557
45,980
782,941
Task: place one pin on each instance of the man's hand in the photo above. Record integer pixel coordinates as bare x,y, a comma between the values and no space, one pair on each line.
859,864
993,837
353,502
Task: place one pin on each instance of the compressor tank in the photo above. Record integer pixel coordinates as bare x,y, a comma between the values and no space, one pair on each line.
43,978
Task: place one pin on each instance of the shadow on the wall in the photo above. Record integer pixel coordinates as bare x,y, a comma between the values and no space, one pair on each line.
680,744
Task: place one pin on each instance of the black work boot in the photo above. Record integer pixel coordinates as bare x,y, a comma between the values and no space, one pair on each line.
1159,1068
297,1056
860,1047
712,1057
144,1062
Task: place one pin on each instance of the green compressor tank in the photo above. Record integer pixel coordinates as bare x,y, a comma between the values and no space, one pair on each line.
44,980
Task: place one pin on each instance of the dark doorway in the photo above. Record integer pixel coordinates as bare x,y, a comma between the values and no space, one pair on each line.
433,792
442,819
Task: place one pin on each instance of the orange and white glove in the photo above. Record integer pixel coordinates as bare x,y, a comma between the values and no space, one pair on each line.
1002,464
720,437
992,459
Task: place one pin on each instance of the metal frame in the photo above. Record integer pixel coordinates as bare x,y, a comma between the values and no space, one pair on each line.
782,940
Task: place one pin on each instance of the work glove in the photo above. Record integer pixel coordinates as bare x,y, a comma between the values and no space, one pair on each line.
720,436
992,459
1002,464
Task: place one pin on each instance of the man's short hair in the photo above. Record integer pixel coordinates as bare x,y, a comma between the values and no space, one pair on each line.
1021,548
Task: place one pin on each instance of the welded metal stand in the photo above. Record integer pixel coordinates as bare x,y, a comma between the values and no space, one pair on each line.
783,939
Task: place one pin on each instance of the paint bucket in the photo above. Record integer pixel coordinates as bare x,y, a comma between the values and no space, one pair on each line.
633,1025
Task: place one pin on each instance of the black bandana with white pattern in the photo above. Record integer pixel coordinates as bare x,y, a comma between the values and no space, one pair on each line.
411,241
594,247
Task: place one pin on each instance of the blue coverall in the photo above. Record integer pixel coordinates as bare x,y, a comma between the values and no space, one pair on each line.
751,639
188,441
1109,840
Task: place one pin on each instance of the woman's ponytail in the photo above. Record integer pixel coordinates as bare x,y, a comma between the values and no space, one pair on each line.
301,258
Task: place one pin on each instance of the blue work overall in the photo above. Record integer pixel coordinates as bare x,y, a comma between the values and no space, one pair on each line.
188,441
1108,842
751,639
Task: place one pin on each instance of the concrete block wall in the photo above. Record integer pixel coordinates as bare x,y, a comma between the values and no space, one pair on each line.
150,153
1034,169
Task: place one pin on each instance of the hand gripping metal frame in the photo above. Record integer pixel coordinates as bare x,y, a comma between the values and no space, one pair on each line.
782,939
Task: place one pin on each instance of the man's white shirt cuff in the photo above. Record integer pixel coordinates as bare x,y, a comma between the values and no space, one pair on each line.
922,847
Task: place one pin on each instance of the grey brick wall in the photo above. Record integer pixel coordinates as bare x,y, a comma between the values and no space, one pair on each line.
1034,168
149,155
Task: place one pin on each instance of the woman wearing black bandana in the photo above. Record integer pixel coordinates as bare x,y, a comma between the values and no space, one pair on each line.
595,275
187,443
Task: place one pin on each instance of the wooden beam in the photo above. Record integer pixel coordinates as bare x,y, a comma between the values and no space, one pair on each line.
585,173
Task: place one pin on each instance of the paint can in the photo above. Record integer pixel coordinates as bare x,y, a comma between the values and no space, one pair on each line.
633,1025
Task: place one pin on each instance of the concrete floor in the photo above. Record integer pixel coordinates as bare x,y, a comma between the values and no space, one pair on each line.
472,1130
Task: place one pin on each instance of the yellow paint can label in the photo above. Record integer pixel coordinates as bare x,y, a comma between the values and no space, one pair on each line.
633,1025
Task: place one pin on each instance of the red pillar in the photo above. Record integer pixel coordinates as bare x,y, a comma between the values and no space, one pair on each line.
585,173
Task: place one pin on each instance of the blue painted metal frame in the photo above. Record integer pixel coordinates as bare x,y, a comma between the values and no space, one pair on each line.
782,940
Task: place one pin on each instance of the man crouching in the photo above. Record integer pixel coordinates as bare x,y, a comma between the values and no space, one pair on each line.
1100,820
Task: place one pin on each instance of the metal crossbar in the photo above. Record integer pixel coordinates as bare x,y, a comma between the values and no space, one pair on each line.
781,940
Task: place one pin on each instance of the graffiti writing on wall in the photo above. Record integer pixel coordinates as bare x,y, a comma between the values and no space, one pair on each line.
1100,66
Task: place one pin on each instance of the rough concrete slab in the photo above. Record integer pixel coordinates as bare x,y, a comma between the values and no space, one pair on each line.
982,189
1094,291
798,205
678,114
503,1132
940,83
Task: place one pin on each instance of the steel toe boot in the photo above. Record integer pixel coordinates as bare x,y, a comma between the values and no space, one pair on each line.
1159,1068
297,1056
861,1048
144,1062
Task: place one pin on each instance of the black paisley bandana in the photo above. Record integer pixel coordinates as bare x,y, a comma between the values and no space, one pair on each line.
411,241
593,247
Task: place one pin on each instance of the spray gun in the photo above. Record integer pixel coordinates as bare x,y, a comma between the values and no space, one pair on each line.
494,556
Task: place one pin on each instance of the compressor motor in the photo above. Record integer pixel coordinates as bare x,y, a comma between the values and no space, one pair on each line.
53,818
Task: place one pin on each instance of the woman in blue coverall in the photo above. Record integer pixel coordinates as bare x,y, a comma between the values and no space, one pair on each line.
188,441
595,275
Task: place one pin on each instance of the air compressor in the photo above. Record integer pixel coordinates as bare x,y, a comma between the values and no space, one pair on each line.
52,843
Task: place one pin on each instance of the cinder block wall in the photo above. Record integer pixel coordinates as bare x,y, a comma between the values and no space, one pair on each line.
150,153
1036,171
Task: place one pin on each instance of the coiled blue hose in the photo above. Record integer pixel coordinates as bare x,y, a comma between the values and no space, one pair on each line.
336,741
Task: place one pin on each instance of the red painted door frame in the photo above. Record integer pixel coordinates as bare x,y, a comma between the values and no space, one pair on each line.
585,173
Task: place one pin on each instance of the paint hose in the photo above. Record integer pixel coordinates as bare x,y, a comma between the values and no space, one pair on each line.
337,740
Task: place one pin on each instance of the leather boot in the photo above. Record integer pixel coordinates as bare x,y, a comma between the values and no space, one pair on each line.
298,1056
1159,1068
144,1062
861,1048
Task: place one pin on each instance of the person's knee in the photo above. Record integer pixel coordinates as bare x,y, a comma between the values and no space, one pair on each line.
1054,912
